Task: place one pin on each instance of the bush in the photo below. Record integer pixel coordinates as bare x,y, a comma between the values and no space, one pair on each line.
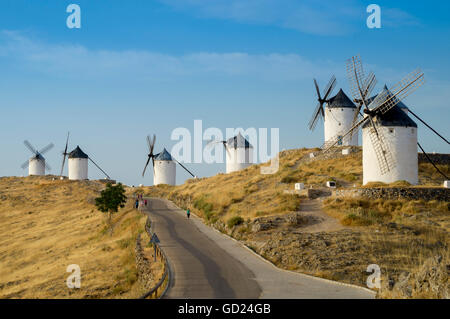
234,221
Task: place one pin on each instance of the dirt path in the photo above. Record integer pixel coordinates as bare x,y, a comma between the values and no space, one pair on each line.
319,221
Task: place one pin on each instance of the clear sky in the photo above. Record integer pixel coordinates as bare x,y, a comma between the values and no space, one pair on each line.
141,67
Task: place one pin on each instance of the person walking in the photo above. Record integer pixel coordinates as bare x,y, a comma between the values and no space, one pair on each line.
145,202
188,213
136,204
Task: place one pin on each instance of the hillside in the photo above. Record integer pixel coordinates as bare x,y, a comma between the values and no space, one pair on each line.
334,238
46,225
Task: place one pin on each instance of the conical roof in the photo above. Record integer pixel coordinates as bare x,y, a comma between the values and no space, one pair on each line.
163,156
38,157
238,142
400,104
77,153
395,116
341,100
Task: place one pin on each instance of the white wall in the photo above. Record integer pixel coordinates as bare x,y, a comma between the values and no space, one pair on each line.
36,166
239,158
165,173
402,143
78,168
343,116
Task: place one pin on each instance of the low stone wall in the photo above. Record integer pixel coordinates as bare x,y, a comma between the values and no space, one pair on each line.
416,193
145,276
442,159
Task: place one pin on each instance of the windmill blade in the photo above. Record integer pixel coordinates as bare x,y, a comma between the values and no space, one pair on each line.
25,165
146,164
212,142
151,143
384,156
226,148
65,154
388,99
318,112
329,88
153,164
30,147
62,166
369,84
46,149
355,75
183,167
67,143
332,142
99,168
368,87
47,167
317,90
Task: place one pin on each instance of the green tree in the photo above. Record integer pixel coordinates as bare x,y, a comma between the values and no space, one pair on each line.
111,199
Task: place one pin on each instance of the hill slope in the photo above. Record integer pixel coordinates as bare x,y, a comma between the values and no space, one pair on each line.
46,225
303,234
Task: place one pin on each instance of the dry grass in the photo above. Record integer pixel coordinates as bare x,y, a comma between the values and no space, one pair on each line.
249,194
47,225
364,212
396,234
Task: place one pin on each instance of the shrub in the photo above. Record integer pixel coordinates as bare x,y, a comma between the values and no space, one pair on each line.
234,221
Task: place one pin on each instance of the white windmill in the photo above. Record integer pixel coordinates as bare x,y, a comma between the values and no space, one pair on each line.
36,164
389,134
338,114
164,165
78,163
239,153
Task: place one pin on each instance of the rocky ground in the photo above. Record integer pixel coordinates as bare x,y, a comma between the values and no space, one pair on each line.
407,253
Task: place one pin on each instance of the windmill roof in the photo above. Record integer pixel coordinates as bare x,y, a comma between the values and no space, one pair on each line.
38,156
394,117
238,141
163,156
77,153
400,104
341,100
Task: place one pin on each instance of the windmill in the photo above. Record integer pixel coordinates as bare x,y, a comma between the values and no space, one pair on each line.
338,114
389,134
36,164
239,153
164,165
78,163
64,153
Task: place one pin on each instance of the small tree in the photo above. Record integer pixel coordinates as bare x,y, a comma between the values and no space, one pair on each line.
111,199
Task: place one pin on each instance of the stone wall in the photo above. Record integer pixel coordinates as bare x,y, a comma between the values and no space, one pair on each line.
442,159
145,276
415,193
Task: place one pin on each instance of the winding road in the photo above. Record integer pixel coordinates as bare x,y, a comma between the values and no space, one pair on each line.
207,264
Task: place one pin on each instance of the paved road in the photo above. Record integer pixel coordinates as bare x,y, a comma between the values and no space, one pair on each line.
208,264
200,268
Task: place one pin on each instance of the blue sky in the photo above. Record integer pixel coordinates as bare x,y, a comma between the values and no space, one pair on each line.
140,67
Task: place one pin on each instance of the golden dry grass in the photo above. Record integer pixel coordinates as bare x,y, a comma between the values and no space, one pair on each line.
46,225
250,194
420,228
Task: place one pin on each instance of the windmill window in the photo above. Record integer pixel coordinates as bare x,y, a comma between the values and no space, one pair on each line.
412,130
391,130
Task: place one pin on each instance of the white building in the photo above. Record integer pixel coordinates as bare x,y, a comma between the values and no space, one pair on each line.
239,153
165,169
339,114
36,165
78,165
400,135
